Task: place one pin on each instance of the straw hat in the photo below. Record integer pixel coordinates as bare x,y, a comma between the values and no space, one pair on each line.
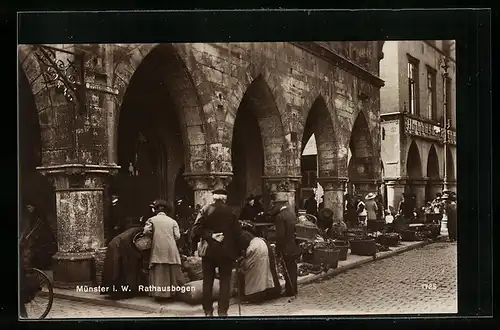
370,196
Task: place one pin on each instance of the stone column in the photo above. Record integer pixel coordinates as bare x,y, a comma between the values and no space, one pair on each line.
419,190
334,195
79,193
395,190
283,187
204,183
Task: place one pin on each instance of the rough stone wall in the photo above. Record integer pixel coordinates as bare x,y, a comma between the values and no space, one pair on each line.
71,134
215,79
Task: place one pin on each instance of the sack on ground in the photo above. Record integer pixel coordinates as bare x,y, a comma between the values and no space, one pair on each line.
192,266
194,292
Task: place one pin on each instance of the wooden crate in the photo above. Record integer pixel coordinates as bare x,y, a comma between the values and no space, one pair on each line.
306,232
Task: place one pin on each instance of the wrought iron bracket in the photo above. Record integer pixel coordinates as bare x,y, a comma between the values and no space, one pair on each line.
66,72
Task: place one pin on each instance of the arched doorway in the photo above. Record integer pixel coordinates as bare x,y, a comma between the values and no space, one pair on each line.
151,135
35,189
414,172
361,157
257,141
432,187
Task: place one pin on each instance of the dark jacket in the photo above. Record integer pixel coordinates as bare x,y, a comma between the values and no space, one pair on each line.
311,206
247,213
219,218
285,221
123,261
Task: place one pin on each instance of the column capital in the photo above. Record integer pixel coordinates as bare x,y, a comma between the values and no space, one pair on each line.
333,183
282,183
208,180
375,182
436,182
77,177
395,181
418,181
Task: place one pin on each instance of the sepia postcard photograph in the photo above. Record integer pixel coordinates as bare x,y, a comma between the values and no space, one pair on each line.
214,179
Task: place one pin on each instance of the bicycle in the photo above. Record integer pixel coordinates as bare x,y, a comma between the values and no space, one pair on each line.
35,286
40,295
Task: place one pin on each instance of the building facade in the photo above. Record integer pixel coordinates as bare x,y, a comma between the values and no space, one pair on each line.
166,120
418,118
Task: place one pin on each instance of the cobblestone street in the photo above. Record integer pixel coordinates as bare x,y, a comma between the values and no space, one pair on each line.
418,281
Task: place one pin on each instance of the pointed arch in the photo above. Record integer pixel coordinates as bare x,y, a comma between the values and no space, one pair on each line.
413,162
433,164
319,122
259,100
166,66
363,162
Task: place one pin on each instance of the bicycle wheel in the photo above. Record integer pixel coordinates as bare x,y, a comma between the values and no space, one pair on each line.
40,305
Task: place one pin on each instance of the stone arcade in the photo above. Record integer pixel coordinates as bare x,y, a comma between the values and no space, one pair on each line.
175,120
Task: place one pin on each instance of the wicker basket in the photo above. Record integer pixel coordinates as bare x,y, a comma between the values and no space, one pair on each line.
364,247
388,240
303,231
142,242
343,247
409,236
326,256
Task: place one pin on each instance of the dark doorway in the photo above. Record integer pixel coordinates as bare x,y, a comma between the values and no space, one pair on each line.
247,154
151,145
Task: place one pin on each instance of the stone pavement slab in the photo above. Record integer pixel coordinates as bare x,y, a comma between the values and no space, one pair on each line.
146,304
421,281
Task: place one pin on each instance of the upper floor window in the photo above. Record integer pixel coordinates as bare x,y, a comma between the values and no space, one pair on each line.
431,94
413,85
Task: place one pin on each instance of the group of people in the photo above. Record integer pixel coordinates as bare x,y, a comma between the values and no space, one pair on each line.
222,243
444,207
225,242
363,210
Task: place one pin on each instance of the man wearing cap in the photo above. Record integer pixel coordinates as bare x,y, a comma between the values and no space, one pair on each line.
218,225
285,220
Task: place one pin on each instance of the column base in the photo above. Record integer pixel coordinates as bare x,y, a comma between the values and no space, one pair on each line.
72,269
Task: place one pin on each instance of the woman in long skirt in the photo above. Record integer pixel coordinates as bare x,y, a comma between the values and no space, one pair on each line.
260,280
165,272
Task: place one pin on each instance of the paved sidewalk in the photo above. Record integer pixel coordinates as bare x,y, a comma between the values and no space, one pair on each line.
146,304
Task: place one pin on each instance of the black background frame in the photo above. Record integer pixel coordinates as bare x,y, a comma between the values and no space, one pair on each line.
470,28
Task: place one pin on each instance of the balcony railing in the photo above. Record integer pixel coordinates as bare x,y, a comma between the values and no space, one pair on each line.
416,127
